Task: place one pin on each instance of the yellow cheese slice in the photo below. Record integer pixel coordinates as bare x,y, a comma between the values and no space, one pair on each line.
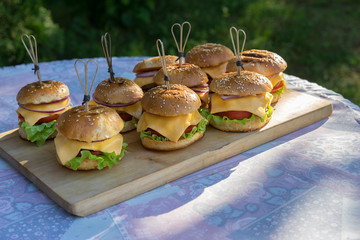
215,71
134,109
32,117
274,79
67,149
143,81
254,104
203,97
170,127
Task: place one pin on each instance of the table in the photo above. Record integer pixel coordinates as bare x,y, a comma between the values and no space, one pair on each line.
304,185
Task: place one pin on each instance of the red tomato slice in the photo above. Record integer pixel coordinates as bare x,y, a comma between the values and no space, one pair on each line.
48,119
235,114
125,116
154,132
278,86
187,130
21,118
93,152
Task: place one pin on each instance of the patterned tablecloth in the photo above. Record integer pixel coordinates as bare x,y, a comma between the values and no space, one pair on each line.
304,185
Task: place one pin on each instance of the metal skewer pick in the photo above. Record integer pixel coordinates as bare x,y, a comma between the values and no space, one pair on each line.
32,53
237,51
86,89
163,62
108,55
180,46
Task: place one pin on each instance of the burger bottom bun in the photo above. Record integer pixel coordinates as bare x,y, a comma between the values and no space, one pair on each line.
85,165
23,134
129,126
168,146
238,127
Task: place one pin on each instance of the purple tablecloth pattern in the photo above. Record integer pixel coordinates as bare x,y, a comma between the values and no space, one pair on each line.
304,185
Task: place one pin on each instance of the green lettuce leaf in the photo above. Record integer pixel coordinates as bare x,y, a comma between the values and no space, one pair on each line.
148,134
38,133
108,159
219,120
205,113
201,127
133,120
268,113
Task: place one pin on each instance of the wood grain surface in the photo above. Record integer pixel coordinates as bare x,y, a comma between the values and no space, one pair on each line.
83,193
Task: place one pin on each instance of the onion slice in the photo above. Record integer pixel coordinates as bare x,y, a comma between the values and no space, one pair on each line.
201,88
48,111
114,105
146,74
200,91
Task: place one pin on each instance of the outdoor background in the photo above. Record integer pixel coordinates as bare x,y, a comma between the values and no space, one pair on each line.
319,39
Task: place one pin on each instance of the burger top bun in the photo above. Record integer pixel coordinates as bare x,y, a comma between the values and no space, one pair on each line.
153,63
46,92
247,83
122,90
209,55
189,75
178,100
96,124
261,61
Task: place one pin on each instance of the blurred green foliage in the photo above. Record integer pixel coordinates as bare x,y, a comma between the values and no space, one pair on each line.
319,39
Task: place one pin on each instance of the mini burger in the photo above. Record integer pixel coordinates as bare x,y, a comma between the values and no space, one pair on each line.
122,95
189,75
211,57
40,105
171,119
90,139
146,70
269,64
240,103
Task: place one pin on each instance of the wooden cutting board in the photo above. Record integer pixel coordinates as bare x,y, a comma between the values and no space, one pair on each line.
83,193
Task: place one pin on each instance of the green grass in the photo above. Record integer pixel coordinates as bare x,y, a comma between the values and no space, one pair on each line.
320,40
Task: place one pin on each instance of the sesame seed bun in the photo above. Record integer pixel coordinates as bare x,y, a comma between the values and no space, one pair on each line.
122,90
153,63
46,92
178,100
188,74
97,124
260,61
247,83
209,55
168,145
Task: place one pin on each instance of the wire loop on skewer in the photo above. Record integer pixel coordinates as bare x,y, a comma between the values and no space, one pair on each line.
32,53
85,88
108,55
180,46
237,52
163,61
